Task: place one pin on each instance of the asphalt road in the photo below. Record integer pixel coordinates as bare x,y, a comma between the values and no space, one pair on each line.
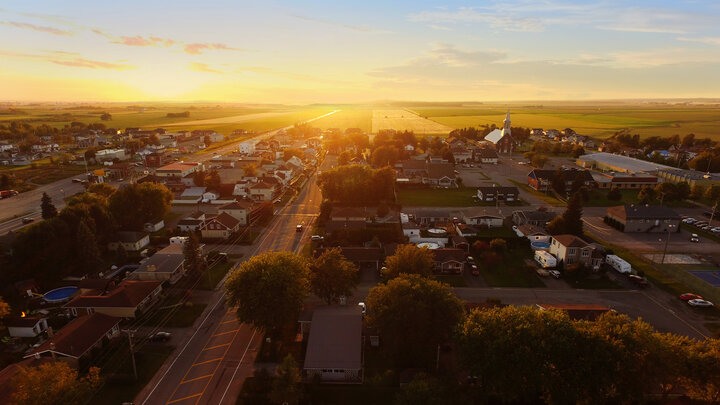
212,366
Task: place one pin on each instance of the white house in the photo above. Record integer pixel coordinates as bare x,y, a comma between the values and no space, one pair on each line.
108,155
26,326
154,226
215,137
209,196
246,147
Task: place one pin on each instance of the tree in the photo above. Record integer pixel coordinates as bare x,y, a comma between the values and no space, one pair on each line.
425,389
87,252
4,309
286,388
206,140
578,181
382,209
538,160
713,192
153,139
5,181
409,259
357,184
572,217
703,375
559,182
556,226
344,158
384,156
646,195
132,205
250,170
268,290
199,178
578,151
47,207
106,116
697,191
102,189
614,194
414,315
194,261
52,383
290,152
667,191
498,245
331,276
213,180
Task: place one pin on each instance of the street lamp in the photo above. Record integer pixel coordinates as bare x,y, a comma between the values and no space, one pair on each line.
670,226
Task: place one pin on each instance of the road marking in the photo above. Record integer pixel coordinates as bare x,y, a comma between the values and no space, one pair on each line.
237,367
675,315
223,323
215,347
195,379
217,367
182,399
205,362
225,333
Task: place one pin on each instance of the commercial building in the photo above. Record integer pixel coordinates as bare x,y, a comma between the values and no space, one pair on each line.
645,218
609,162
692,177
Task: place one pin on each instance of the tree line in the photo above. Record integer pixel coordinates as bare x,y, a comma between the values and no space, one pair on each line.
357,185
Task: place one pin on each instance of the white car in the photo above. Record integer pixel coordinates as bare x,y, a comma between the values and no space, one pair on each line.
555,273
700,303
316,238
694,238
689,220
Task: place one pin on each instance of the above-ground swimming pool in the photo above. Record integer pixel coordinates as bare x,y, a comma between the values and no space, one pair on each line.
437,231
429,245
60,294
540,245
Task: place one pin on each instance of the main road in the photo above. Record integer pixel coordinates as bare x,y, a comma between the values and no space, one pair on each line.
212,365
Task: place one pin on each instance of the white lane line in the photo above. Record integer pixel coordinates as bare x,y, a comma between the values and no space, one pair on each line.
237,367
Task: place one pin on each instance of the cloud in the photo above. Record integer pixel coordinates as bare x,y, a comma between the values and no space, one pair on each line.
139,40
197,48
471,15
704,40
202,67
356,28
92,64
39,28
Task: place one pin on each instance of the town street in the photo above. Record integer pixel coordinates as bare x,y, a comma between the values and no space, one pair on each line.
212,366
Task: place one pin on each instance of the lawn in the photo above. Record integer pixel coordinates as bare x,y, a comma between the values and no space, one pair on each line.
512,271
598,198
454,280
184,315
122,387
26,177
549,199
437,197
213,275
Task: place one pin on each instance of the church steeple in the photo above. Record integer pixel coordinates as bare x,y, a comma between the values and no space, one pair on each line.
506,124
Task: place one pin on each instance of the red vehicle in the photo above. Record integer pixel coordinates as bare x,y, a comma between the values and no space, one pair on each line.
690,296
8,193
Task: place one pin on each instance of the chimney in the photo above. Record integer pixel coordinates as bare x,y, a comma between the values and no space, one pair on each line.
50,332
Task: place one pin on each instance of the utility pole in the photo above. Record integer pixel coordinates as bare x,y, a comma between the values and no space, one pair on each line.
666,244
712,214
130,334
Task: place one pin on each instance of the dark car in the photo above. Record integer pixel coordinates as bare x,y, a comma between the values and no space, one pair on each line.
160,337
27,220
638,281
708,214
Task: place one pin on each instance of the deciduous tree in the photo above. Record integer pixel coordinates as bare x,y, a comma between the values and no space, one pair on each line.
268,290
331,276
133,205
409,259
344,158
414,315
286,388
194,260
52,383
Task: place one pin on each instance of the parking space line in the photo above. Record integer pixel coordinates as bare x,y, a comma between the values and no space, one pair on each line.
205,362
221,323
225,333
215,347
195,379
184,398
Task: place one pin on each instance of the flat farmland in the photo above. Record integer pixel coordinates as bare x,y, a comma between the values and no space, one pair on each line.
601,121
405,120
347,118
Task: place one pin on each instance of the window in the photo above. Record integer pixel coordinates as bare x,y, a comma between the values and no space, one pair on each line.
585,253
571,251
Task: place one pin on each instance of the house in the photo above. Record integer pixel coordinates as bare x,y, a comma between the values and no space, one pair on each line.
440,175
210,196
429,216
238,210
645,218
542,180
334,347
28,326
486,156
191,195
168,264
215,137
363,257
129,299
465,230
492,193
461,154
538,218
459,242
246,147
130,241
571,249
449,260
220,226
78,338
262,191
178,170
154,226
532,233
192,222
348,214
502,139
411,229
480,216
109,155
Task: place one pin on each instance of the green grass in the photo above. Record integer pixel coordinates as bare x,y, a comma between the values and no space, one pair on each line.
213,275
437,197
123,387
547,198
598,198
454,280
700,232
511,271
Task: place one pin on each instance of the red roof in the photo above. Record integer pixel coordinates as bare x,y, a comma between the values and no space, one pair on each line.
224,219
262,184
128,294
78,336
236,205
570,241
178,166
445,255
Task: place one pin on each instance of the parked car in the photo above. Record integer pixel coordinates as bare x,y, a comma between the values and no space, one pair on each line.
637,280
316,238
700,223
689,220
27,220
299,228
694,238
471,260
700,303
554,273
690,296
77,180
542,272
160,337
474,270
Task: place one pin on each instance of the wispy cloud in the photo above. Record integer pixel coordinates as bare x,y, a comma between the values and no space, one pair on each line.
356,28
91,64
471,15
704,40
203,67
196,48
139,40
39,28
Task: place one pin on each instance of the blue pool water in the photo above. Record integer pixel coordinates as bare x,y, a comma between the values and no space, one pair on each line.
540,245
60,294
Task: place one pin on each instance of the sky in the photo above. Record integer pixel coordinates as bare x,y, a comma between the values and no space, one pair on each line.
295,52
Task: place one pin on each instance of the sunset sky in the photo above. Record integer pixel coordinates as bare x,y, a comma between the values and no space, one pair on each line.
323,51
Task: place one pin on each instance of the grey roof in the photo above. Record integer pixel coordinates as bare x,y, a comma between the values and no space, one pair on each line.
335,339
166,260
644,212
128,237
623,162
537,215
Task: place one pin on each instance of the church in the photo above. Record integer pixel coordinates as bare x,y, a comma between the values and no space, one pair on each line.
502,139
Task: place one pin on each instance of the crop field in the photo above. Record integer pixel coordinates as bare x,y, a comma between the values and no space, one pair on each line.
600,121
404,120
347,118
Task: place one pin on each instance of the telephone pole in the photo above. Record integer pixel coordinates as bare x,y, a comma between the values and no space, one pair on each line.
130,334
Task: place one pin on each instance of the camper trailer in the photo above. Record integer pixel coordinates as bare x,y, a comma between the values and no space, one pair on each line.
618,264
545,259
